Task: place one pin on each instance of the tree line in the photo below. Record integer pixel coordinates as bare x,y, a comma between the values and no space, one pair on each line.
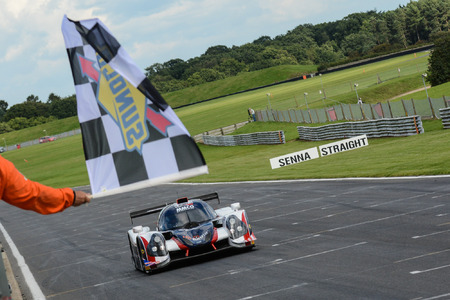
34,112
357,36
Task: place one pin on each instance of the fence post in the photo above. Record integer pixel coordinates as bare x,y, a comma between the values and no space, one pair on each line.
326,114
310,117
371,110
445,101
390,109
414,106
343,113
432,109
362,111
404,108
415,124
351,113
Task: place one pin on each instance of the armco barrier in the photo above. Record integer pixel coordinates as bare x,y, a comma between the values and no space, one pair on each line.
36,141
256,138
376,128
445,116
220,131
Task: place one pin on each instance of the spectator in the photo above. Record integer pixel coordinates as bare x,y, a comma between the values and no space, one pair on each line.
17,190
251,114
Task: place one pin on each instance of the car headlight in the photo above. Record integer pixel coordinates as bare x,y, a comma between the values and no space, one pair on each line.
236,227
157,245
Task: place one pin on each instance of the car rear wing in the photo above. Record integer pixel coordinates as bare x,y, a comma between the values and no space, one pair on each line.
208,197
157,209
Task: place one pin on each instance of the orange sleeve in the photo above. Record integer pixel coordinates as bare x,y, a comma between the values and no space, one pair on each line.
17,190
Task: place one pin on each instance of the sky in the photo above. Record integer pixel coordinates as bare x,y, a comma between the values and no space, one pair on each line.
33,58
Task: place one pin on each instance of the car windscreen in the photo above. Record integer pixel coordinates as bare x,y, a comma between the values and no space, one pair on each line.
184,215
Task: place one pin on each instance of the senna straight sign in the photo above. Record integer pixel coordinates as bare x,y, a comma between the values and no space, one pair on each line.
312,153
294,158
344,145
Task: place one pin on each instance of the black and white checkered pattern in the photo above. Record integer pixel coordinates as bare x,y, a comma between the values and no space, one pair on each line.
112,168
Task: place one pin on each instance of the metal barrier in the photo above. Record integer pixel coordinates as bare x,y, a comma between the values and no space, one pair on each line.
36,141
445,116
256,138
376,128
220,131
427,108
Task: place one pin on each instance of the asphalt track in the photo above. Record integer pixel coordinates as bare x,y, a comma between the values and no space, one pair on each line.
340,239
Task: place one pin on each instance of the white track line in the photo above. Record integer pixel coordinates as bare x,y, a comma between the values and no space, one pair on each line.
29,278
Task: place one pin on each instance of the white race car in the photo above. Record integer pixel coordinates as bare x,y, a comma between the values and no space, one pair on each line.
187,228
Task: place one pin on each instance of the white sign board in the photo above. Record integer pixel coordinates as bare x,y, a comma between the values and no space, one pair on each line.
294,158
344,145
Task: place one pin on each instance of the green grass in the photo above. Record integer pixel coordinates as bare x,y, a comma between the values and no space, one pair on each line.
233,109
241,82
32,133
58,164
403,156
61,163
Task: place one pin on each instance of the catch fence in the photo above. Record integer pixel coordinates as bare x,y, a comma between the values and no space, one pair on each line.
427,109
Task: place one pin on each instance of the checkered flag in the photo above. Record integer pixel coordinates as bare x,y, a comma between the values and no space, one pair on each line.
131,137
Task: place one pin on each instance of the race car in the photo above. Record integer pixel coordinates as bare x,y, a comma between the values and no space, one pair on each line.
187,228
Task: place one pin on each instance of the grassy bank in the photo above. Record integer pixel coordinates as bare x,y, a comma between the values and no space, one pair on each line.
61,163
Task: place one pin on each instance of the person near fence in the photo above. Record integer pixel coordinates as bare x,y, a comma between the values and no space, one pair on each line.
360,101
17,190
251,114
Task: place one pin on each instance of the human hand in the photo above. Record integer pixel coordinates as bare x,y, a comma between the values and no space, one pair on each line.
81,198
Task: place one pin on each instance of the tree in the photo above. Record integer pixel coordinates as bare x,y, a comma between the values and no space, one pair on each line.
439,67
231,67
64,108
29,109
52,98
4,127
175,67
326,54
358,44
414,21
217,50
3,108
33,98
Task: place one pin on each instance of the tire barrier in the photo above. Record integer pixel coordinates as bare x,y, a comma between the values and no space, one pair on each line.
373,129
256,138
445,116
